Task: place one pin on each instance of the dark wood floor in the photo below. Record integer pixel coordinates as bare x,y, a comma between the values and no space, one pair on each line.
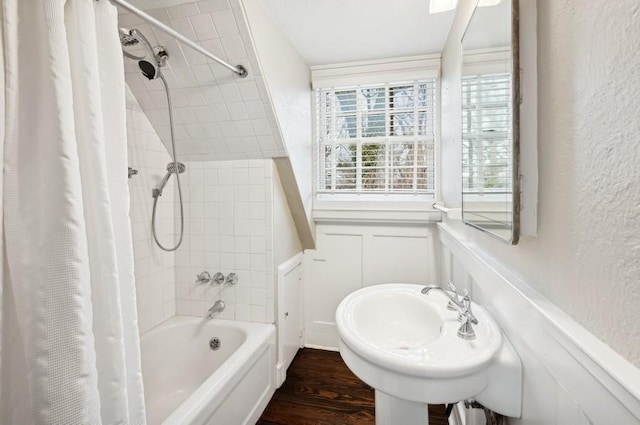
321,390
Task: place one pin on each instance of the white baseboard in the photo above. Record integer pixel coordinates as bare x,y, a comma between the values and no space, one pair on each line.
321,347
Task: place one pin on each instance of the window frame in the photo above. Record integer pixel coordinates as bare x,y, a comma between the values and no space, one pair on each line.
418,144
389,205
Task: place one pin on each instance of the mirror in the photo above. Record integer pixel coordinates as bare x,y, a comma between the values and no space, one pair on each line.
490,129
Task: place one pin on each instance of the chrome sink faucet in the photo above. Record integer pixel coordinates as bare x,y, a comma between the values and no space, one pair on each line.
461,304
217,307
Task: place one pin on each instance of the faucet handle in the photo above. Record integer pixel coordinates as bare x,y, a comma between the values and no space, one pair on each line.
468,319
203,278
465,314
452,287
232,279
218,279
466,330
454,291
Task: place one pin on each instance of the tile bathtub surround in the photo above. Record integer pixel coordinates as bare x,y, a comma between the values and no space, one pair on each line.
229,228
218,115
154,268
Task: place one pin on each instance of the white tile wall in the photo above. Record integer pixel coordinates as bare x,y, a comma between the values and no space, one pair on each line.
218,115
229,228
154,269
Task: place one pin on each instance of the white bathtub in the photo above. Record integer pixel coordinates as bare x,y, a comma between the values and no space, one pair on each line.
186,382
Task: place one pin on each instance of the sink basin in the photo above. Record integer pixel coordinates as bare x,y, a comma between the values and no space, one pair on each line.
395,320
405,345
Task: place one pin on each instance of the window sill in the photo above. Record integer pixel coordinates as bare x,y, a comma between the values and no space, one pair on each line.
375,212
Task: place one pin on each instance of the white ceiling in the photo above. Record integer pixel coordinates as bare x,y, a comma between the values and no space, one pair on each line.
338,31
335,31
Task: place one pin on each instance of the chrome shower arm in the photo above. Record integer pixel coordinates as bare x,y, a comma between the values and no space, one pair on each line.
239,69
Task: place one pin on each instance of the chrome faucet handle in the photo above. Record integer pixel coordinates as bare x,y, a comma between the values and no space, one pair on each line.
203,278
218,279
454,290
466,330
465,314
232,279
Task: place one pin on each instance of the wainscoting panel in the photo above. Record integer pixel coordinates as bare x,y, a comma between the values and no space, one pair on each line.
349,257
570,376
289,314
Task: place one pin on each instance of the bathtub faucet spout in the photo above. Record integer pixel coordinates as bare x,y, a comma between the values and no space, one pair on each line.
217,307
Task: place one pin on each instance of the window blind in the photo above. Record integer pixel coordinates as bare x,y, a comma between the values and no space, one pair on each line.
376,138
486,133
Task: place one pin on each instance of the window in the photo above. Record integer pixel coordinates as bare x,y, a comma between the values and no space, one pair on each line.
486,134
376,139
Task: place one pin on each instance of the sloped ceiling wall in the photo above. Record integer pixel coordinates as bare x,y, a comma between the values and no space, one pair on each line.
289,83
220,116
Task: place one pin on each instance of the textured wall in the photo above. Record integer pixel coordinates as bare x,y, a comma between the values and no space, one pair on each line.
154,268
586,258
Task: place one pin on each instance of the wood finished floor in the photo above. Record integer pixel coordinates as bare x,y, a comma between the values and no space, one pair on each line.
321,390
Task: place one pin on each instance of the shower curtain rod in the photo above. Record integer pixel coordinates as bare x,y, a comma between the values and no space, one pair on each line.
239,69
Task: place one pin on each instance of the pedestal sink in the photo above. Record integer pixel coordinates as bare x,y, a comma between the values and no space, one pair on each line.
405,345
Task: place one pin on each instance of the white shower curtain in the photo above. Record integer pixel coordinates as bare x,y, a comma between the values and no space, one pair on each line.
70,345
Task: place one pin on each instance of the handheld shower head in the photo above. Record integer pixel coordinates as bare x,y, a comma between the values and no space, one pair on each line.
149,62
171,169
126,39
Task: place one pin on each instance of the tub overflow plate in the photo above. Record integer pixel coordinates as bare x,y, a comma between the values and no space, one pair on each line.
214,344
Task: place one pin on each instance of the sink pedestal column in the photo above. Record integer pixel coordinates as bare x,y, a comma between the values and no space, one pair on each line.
393,411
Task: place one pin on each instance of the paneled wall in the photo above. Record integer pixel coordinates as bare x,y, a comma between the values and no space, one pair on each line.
154,268
352,256
570,376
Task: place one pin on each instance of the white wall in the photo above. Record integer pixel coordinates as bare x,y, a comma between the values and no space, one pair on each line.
286,242
154,268
288,82
351,256
586,258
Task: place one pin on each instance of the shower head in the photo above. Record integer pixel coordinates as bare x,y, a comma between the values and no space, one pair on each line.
126,39
171,167
149,62
148,69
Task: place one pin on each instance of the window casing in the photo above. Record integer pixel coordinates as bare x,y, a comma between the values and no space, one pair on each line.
376,140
